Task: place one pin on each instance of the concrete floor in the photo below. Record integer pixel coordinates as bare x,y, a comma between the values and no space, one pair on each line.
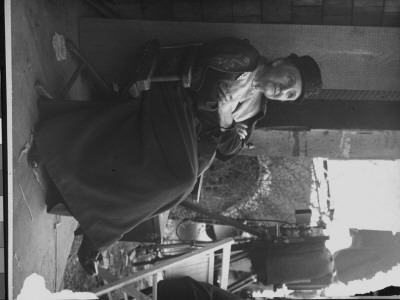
39,246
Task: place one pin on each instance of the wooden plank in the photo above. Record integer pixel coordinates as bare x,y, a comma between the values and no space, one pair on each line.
333,114
336,20
2,286
118,2
246,11
333,144
363,3
337,7
218,11
247,19
326,94
197,269
391,19
2,239
210,276
188,11
344,52
170,263
392,6
129,10
1,234
130,290
307,2
2,260
156,277
367,16
226,256
307,15
276,11
157,10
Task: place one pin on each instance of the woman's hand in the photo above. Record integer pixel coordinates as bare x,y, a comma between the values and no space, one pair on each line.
224,106
224,94
225,100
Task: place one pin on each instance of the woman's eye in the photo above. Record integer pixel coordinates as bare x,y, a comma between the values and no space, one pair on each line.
290,95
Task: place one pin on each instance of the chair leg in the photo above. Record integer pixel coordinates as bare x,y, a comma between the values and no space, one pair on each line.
70,82
84,63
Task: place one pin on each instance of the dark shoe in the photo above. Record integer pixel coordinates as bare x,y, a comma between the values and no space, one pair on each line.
33,156
89,257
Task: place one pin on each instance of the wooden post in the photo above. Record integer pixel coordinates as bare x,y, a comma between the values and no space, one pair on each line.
226,256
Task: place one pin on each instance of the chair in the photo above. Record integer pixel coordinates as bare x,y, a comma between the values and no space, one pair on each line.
185,265
141,78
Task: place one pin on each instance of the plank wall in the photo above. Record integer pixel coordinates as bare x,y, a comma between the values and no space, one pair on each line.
311,12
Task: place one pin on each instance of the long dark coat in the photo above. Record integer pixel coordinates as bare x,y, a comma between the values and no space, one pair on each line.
117,163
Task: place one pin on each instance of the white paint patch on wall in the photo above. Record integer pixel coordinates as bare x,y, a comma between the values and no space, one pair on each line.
35,288
380,281
345,145
366,193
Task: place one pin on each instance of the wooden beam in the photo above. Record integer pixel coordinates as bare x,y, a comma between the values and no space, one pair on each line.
247,11
333,144
363,3
391,19
218,11
333,114
392,6
326,94
307,15
367,15
355,58
307,2
276,11
157,9
188,11
336,20
338,7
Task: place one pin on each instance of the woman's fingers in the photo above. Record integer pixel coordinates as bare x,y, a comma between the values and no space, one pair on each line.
241,129
241,125
242,133
223,92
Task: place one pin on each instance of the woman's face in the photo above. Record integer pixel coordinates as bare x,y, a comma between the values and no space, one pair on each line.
282,81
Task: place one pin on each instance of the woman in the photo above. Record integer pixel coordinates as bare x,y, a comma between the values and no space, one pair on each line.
115,164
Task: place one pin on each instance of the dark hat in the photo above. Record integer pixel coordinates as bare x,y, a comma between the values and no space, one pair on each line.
310,75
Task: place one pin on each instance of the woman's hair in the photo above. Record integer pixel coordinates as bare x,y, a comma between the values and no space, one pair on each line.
310,75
